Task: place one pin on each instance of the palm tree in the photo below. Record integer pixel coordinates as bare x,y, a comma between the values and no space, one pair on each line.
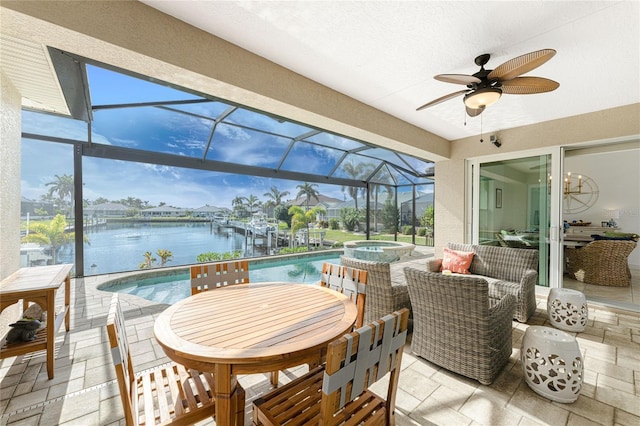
148,261
301,219
165,256
238,205
355,172
251,202
63,187
382,176
308,190
275,195
52,234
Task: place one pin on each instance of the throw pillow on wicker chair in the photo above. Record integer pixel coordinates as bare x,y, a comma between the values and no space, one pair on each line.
456,261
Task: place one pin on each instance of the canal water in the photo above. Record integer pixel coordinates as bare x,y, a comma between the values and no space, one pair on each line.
121,247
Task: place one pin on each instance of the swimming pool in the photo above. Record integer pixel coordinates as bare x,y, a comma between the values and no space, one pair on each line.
170,286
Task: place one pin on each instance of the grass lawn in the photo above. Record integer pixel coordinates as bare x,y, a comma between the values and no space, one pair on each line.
341,236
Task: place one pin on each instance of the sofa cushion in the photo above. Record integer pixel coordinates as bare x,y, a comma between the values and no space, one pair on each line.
456,261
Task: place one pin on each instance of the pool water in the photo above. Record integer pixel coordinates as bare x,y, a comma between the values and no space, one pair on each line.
171,286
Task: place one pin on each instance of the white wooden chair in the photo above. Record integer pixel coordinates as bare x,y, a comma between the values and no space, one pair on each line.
337,393
171,394
212,276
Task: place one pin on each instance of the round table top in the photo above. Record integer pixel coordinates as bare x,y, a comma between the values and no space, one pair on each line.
253,323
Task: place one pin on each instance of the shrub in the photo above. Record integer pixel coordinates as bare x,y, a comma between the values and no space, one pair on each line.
390,217
351,218
281,213
334,224
214,257
407,230
291,250
422,232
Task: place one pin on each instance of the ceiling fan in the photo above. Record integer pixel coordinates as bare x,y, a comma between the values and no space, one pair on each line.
485,87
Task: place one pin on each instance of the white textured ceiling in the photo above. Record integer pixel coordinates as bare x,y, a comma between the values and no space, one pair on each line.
385,53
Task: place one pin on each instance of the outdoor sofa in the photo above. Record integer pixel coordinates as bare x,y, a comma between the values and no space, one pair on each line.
507,270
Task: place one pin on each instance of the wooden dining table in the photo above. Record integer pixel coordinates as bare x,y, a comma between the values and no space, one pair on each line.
252,328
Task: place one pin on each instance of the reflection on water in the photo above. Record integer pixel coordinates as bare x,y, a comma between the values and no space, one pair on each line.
121,247
301,271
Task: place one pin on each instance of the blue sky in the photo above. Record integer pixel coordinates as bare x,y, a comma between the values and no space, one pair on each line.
167,131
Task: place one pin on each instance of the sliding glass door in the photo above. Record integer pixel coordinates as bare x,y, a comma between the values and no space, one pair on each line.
514,206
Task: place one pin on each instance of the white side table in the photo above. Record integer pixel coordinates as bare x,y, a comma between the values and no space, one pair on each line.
567,309
552,363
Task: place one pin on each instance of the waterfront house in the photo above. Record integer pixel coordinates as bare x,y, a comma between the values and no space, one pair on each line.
35,208
211,212
106,210
163,211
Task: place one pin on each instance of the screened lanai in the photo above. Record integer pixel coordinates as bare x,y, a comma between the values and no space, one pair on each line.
132,147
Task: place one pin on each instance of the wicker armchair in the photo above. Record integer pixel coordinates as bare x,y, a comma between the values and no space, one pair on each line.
383,297
601,262
455,327
508,270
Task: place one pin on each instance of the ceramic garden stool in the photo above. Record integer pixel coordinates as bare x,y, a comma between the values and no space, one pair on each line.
552,363
567,309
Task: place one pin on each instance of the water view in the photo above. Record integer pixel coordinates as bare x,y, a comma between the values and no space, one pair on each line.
121,247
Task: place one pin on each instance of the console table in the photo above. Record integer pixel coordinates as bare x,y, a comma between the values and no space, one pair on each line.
38,285
587,231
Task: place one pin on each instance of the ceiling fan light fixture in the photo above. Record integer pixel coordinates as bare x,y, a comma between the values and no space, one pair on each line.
482,97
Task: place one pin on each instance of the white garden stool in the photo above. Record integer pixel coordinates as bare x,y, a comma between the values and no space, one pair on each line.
552,363
567,309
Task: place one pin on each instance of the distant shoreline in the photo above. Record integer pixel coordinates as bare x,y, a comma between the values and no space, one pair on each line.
157,219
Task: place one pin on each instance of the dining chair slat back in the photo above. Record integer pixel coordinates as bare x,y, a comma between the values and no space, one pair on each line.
351,282
331,276
162,395
211,276
338,392
354,285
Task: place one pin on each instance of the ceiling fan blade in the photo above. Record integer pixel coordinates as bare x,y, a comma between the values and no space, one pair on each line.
442,99
457,78
520,65
528,85
474,112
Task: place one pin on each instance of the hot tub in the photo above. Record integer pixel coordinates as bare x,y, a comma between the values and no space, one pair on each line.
378,251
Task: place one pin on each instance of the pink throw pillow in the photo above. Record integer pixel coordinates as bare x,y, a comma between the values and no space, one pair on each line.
456,261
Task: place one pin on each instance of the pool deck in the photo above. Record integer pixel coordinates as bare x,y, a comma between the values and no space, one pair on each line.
84,390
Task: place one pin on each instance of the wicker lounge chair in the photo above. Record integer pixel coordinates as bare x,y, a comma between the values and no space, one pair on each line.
455,327
383,298
602,262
